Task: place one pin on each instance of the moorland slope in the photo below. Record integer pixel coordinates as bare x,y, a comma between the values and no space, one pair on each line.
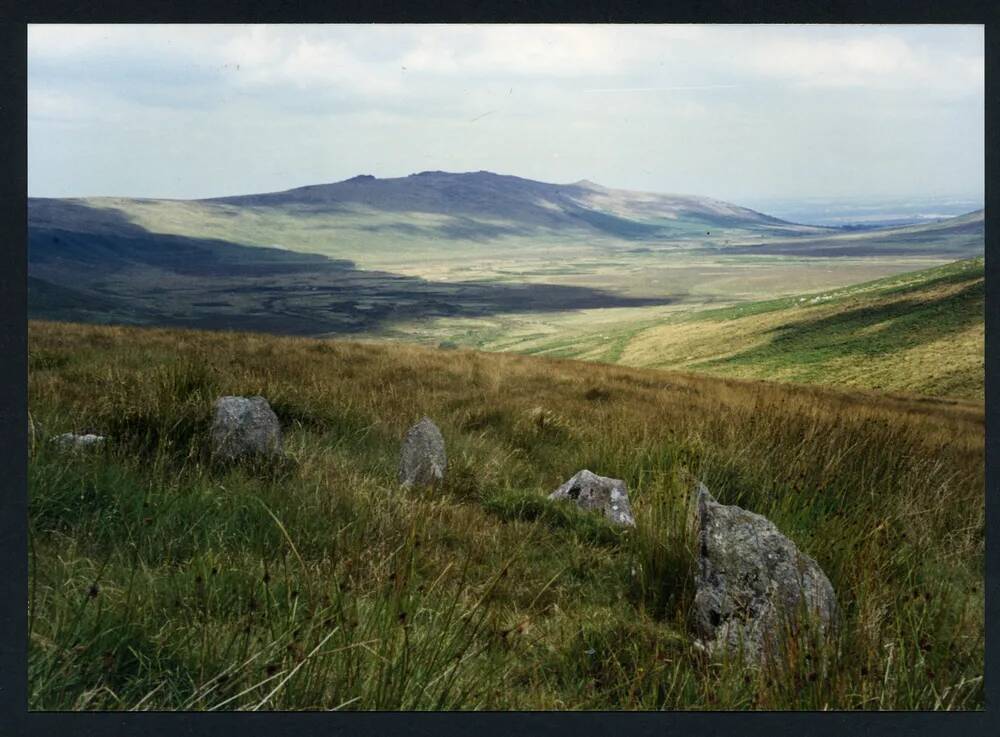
158,581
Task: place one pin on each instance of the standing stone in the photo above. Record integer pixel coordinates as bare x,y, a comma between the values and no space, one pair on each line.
72,441
243,428
422,460
753,585
599,493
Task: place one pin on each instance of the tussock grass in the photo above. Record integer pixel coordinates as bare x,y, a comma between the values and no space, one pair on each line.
160,581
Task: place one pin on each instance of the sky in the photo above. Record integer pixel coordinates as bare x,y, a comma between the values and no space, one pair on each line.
742,113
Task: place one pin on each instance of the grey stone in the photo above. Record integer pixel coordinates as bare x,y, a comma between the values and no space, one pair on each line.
753,585
422,459
72,441
245,428
598,493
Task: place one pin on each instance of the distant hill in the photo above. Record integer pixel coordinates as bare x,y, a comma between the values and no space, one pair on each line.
524,202
395,219
959,236
388,218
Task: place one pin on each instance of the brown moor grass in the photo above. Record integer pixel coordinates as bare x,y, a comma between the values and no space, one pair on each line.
158,581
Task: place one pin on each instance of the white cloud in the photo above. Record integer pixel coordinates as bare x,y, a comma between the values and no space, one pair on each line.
715,110
877,61
372,56
543,51
264,57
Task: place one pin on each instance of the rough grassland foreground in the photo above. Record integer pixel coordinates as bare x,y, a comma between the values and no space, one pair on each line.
158,581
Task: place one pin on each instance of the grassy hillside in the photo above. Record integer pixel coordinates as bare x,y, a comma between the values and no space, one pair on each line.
920,332
160,582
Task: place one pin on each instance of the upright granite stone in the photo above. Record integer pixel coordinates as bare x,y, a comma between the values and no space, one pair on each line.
598,493
72,441
753,586
422,459
245,428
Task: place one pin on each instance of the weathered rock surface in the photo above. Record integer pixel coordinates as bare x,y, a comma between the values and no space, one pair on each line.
598,493
422,459
245,428
753,585
72,441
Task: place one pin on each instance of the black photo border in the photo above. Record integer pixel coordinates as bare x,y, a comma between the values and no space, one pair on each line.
15,719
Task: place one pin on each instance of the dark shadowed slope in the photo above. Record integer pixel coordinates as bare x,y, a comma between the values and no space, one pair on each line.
110,270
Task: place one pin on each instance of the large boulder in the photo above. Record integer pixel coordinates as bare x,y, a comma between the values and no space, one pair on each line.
598,493
245,428
753,585
422,459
